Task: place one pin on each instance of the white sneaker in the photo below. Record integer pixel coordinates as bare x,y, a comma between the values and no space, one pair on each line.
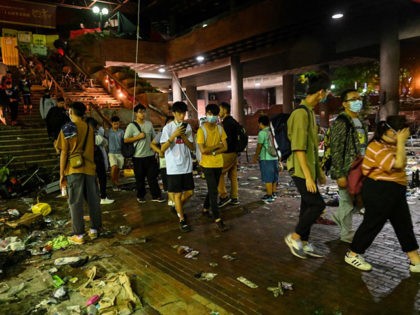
359,262
295,247
310,250
107,201
415,268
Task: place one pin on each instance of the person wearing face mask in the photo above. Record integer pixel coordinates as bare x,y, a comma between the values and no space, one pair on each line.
304,166
348,142
211,141
384,194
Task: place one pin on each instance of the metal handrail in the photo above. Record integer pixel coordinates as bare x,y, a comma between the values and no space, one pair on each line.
49,76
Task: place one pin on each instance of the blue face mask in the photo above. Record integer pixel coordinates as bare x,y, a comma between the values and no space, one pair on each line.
356,106
211,119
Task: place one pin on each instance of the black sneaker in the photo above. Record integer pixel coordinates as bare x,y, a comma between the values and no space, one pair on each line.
221,226
141,200
184,227
223,202
159,199
234,201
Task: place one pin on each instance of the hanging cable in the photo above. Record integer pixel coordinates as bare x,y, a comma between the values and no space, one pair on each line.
186,96
137,56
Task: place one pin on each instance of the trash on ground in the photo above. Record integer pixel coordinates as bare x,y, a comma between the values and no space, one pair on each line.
229,258
4,287
60,242
26,220
67,260
60,293
16,289
41,208
205,276
281,286
213,264
124,230
134,241
248,283
57,281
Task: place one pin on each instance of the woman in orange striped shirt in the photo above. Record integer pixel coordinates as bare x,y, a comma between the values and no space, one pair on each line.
384,194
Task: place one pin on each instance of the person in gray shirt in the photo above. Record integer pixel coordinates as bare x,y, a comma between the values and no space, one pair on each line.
144,161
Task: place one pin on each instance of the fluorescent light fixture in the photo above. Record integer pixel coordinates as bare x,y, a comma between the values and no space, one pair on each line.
162,70
200,58
96,9
104,11
229,86
258,84
337,15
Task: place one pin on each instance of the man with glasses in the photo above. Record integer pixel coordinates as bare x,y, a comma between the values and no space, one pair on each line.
348,141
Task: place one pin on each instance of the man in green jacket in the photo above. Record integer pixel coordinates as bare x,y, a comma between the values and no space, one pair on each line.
348,141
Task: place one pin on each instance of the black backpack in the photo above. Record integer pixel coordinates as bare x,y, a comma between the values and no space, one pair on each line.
242,138
128,149
279,127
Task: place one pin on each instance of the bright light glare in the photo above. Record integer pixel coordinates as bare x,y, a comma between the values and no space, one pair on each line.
161,70
105,11
332,86
204,25
96,9
200,58
258,84
337,16
229,86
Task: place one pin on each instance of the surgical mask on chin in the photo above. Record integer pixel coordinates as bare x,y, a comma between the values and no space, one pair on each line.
356,106
211,119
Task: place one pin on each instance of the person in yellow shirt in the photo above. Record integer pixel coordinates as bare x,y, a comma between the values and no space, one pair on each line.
211,141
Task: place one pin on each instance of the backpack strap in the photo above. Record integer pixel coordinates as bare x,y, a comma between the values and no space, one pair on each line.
139,129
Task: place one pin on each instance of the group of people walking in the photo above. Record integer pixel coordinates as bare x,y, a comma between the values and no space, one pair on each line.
384,160
384,188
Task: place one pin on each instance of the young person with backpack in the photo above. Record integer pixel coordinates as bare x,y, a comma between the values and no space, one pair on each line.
304,167
212,143
348,141
230,158
144,161
267,156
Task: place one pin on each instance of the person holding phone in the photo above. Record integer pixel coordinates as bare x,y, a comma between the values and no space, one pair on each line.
177,143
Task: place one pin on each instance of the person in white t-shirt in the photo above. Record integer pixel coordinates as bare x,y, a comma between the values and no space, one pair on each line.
177,143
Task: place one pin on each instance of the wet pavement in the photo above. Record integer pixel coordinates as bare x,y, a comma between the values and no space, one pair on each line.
169,283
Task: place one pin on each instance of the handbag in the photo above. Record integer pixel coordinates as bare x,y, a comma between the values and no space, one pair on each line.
128,149
76,158
355,177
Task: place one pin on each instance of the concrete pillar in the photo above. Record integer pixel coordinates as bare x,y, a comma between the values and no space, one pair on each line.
279,95
236,81
176,89
192,97
288,93
390,64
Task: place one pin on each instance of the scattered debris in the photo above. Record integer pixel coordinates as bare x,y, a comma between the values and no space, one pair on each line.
247,282
205,276
213,264
229,258
124,230
281,286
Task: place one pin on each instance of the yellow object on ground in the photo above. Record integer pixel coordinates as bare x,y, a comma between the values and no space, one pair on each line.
42,208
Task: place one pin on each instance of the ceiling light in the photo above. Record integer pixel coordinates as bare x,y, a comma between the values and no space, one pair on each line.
162,70
200,58
204,25
104,11
258,84
229,86
96,9
337,15
332,86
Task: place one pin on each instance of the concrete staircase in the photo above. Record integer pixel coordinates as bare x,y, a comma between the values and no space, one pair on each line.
28,142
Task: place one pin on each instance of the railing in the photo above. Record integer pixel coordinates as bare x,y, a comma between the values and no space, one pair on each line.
50,82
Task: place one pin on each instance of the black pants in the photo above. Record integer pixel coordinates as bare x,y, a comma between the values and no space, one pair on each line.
311,207
164,177
212,178
384,201
100,172
13,110
146,167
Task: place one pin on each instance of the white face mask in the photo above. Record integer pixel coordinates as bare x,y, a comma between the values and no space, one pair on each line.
211,119
356,106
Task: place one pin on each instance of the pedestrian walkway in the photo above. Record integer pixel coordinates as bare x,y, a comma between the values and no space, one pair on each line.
254,249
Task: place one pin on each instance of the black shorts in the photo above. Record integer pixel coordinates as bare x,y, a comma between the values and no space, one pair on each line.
181,182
